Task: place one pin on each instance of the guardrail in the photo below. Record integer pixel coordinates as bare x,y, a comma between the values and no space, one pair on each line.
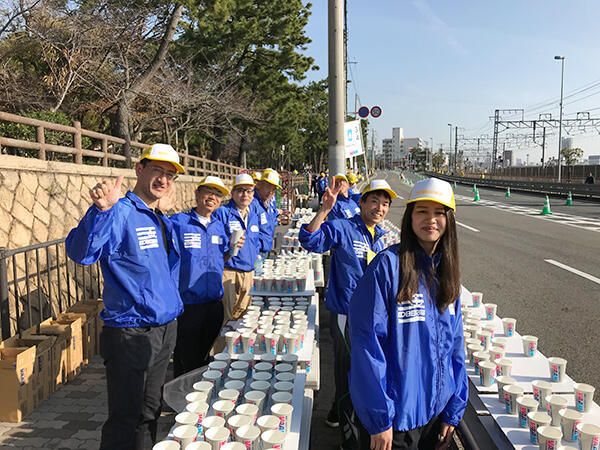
106,151
43,274
591,191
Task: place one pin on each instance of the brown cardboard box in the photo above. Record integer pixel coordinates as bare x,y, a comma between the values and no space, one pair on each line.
75,354
90,334
16,391
88,331
60,349
43,383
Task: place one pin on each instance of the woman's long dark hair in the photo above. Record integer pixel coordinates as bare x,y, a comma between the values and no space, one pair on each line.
447,272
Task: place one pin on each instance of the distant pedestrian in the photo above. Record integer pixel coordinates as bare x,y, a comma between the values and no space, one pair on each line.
589,179
408,380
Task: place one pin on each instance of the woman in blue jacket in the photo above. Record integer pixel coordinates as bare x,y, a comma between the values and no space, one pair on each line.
408,380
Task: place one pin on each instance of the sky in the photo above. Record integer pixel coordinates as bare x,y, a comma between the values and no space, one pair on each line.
430,63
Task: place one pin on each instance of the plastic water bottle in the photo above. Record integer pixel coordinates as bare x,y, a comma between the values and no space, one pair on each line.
258,266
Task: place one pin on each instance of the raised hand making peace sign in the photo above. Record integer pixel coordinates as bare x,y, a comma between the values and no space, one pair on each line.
105,194
330,195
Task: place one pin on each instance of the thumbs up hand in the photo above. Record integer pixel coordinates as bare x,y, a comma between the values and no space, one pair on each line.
105,194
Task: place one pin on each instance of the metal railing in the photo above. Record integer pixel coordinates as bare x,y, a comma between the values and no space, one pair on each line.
106,149
41,276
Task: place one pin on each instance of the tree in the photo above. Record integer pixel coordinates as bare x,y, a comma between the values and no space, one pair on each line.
438,160
571,156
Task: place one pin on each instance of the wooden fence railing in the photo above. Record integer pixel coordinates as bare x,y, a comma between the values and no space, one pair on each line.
106,149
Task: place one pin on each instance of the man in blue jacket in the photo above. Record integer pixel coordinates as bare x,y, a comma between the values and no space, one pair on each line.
322,184
354,242
239,269
266,208
345,207
205,248
139,257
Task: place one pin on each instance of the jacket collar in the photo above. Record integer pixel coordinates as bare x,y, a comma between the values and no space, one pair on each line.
194,218
361,224
138,202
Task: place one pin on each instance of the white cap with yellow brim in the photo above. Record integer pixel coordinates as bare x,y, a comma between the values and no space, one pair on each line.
243,179
435,190
163,152
352,178
379,185
340,176
271,176
257,176
214,182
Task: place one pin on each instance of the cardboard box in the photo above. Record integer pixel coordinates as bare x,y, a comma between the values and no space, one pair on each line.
75,354
88,330
91,333
16,391
43,383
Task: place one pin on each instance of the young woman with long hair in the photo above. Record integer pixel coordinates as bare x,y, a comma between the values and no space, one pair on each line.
408,380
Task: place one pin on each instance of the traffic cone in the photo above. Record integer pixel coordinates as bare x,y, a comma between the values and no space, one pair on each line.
476,199
474,188
569,200
546,211
507,192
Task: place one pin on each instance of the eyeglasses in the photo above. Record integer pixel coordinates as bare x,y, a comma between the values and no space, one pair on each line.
244,191
159,172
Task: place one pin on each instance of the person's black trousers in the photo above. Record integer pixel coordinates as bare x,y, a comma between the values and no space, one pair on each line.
197,329
136,361
421,438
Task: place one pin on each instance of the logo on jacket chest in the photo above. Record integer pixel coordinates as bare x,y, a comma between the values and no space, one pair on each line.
192,240
147,237
413,311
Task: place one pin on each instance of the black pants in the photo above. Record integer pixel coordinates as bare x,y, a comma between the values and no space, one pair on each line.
197,329
421,438
136,361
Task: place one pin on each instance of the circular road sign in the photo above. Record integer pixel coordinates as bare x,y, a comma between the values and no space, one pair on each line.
375,111
363,111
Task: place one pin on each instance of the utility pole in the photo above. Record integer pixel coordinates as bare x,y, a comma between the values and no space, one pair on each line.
562,77
543,145
495,142
455,150
337,86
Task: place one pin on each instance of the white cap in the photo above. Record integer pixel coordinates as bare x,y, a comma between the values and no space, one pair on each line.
243,179
214,182
271,176
163,152
379,185
435,190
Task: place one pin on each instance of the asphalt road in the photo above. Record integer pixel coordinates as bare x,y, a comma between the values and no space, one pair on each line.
503,254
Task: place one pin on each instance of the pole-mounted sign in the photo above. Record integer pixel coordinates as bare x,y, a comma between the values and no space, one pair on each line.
363,112
375,111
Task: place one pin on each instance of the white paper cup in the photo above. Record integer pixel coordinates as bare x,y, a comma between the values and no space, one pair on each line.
285,376
240,365
525,405
554,403
541,389
204,386
283,412
235,384
272,439
224,357
496,353
268,422
239,375
290,343
262,376
490,311
500,342
248,340
220,366
271,343
256,398
200,410
477,298
231,395
231,342
216,437
284,386
237,421
248,435
584,396
503,366
472,348
509,324
503,380
195,396
292,360
263,367
485,338
511,393
283,367
223,408
214,377
236,235
248,409
536,420
569,419
268,358
233,446
185,434
167,445
549,438
530,344
491,328
557,368
262,386
589,436
487,373
281,397
187,418
198,445
479,357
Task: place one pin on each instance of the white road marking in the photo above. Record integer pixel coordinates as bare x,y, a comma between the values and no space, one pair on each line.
575,271
467,227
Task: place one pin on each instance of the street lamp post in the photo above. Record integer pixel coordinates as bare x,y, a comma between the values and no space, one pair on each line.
562,77
449,153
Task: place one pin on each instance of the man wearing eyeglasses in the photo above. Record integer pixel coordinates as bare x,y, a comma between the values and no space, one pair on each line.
239,269
266,207
205,248
139,257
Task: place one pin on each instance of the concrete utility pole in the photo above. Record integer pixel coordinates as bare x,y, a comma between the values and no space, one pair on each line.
562,77
337,88
455,150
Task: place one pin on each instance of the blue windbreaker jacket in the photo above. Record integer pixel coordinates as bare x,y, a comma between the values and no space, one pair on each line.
344,208
202,257
349,240
267,218
322,184
230,217
408,360
140,279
